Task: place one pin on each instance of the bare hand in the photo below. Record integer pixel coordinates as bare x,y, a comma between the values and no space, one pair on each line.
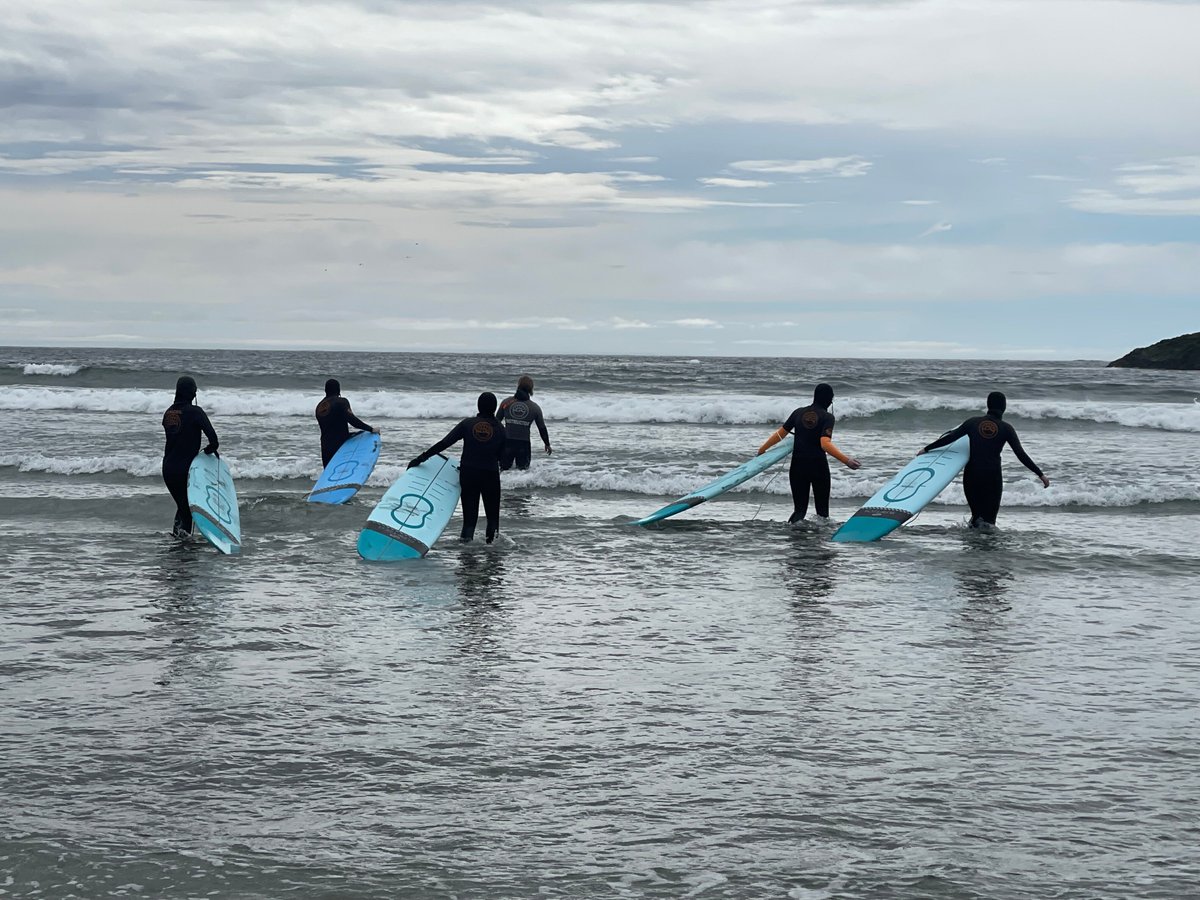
853,463
376,431
1045,482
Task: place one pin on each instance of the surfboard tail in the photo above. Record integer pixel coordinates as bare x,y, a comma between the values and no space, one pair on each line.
868,525
216,533
667,511
379,543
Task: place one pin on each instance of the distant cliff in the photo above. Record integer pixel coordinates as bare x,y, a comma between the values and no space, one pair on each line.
1181,352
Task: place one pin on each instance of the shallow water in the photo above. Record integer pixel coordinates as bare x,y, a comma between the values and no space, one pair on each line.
718,707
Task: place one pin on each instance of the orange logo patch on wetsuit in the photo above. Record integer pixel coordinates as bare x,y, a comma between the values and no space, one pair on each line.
988,429
482,432
323,407
172,420
810,419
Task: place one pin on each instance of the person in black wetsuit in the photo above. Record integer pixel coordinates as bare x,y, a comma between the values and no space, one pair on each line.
483,440
335,418
813,426
183,423
517,413
982,481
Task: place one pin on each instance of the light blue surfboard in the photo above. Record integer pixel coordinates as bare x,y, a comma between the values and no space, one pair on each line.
349,469
213,503
906,494
413,513
731,479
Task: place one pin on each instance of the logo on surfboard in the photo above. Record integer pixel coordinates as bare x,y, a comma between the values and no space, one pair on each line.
411,505
908,486
344,470
218,503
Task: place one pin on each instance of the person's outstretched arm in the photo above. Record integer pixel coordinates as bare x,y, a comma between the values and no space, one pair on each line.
948,438
776,436
209,431
355,420
541,426
457,433
831,448
1015,443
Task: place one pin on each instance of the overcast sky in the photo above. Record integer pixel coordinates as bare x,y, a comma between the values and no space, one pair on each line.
992,178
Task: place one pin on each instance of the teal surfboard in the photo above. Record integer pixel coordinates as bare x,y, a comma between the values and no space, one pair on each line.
906,494
730,479
413,513
348,471
213,503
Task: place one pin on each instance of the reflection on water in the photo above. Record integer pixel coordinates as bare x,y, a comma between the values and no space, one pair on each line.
187,612
481,579
810,567
985,571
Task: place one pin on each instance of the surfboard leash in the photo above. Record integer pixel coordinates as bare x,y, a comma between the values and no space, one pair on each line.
765,491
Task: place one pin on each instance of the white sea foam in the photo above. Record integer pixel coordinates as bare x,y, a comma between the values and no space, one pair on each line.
47,369
595,408
662,482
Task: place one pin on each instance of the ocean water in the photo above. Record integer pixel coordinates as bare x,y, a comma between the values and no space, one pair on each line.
721,706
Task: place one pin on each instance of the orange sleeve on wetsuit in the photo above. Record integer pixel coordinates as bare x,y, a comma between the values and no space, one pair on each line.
773,440
830,447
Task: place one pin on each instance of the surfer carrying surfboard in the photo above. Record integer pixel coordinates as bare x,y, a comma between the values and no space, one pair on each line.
483,439
335,418
982,480
183,423
813,427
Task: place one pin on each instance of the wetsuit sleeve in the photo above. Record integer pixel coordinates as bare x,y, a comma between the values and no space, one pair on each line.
774,439
541,425
948,438
1015,443
206,427
457,433
353,419
504,404
830,447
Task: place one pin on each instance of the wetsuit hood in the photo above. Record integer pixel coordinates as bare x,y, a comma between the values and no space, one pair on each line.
823,396
487,404
185,389
997,403
333,387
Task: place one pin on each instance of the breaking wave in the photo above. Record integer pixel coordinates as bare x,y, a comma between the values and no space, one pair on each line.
665,483
597,408
47,369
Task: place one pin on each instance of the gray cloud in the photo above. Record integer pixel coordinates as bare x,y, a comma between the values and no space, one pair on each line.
656,164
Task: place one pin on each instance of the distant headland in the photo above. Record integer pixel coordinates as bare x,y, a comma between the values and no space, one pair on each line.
1181,352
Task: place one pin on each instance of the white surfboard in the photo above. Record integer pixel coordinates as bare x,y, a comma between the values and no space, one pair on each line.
730,479
413,513
909,492
213,503
348,470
